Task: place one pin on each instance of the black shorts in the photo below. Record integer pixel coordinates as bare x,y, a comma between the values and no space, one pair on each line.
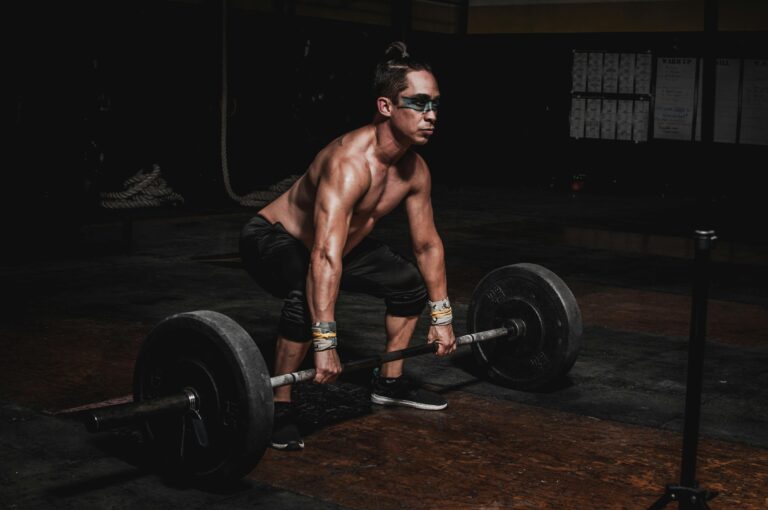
279,263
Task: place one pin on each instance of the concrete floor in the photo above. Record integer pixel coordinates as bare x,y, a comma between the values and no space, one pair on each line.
607,437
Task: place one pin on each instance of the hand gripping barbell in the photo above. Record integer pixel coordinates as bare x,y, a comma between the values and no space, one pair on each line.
203,393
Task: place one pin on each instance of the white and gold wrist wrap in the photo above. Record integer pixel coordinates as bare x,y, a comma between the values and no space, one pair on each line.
442,314
324,336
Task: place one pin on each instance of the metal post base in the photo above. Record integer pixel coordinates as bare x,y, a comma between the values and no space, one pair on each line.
689,497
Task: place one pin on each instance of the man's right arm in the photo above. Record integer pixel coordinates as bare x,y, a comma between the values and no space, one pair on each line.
339,188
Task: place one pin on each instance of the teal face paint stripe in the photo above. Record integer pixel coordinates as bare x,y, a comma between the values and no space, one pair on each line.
420,103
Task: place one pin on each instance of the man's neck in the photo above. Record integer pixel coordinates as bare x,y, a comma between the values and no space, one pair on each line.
388,148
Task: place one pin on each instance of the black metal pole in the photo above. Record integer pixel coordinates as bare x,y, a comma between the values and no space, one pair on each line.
709,74
687,493
401,19
707,150
704,242
463,19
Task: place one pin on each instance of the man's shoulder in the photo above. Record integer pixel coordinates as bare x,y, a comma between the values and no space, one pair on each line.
344,159
348,150
341,164
357,140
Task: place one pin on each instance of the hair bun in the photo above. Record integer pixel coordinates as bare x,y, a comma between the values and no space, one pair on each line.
396,50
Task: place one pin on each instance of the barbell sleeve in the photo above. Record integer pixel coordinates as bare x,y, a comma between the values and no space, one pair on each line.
112,417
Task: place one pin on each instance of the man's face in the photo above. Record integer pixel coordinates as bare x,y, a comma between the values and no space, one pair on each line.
415,113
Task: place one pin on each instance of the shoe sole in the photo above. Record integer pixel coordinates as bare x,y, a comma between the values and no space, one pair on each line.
386,401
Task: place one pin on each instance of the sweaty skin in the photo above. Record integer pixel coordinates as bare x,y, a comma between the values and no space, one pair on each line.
350,185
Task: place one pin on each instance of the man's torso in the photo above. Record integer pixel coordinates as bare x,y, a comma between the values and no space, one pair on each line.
388,187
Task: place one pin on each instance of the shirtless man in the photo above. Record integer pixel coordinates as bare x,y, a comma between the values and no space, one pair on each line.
313,240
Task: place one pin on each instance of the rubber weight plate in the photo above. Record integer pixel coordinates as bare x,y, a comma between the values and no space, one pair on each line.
548,348
211,354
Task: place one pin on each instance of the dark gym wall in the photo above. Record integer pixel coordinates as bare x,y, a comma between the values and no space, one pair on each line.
632,16
102,89
141,81
525,82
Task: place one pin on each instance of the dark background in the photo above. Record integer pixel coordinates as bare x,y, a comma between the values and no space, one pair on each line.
101,89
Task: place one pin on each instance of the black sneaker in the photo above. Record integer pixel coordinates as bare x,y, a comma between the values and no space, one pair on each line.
401,391
285,433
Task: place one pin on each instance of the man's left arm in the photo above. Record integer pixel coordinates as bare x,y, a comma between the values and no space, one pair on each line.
430,257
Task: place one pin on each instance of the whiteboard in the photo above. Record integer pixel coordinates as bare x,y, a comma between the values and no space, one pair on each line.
754,103
675,108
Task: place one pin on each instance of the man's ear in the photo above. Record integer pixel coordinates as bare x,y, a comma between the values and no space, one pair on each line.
384,106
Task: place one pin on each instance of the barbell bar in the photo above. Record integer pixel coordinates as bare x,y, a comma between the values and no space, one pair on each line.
187,400
513,330
203,394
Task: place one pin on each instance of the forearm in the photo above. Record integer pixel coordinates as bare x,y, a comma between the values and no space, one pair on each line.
322,288
323,279
431,261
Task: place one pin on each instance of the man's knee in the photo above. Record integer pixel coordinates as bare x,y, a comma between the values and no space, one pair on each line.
294,319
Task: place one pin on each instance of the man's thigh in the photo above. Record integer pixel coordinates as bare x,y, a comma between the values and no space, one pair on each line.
374,268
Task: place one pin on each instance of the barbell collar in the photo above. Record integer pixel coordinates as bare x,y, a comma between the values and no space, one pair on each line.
116,416
514,329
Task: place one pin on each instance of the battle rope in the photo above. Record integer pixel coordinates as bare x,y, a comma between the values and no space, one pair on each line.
255,198
143,189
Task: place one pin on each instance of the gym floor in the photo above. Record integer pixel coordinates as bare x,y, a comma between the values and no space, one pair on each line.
610,436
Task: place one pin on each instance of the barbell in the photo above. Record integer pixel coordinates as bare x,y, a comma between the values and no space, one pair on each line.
203,394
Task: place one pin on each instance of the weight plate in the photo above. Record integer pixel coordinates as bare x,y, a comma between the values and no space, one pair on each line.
553,328
211,354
